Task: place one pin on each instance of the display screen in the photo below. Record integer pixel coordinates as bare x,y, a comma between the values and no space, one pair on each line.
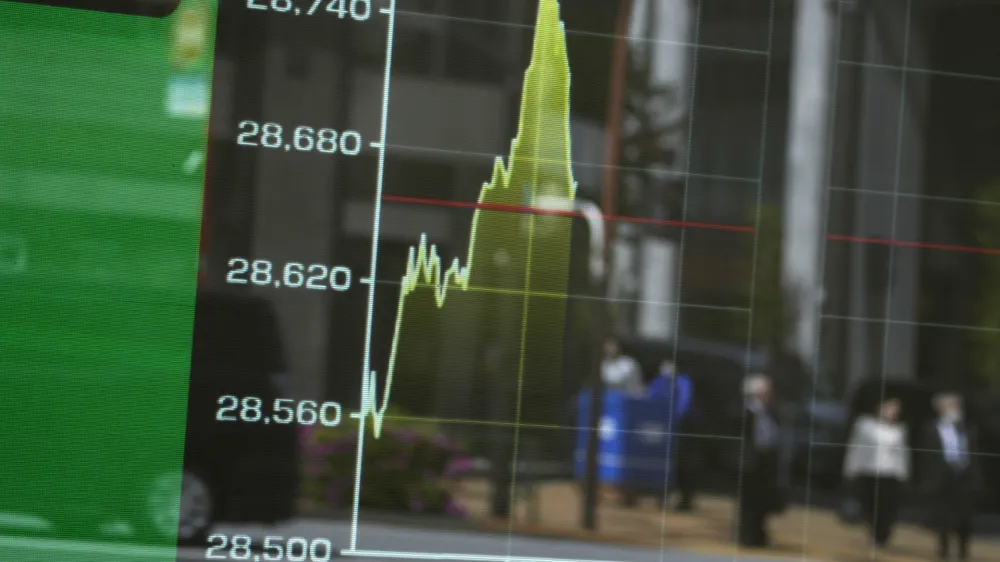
512,281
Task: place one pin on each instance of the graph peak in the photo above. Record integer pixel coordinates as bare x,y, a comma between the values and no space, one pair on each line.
543,137
538,171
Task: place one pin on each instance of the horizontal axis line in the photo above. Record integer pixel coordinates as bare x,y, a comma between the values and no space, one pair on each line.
471,557
455,556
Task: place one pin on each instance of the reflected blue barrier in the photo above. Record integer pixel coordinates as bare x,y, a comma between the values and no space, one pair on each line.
633,440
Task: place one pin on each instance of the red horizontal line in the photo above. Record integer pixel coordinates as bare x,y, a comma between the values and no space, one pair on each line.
908,244
688,224
559,213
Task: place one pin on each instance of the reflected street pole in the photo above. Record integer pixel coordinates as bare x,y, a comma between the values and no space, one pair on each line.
805,171
599,283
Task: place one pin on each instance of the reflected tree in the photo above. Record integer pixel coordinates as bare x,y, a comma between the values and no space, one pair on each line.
654,117
652,124
986,362
773,309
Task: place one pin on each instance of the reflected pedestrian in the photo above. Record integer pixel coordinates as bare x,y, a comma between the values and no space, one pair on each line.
760,494
877,466
673,386
950,476
621,372
677,389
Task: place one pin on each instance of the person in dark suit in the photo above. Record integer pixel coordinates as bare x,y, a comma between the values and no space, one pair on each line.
760,494
951,475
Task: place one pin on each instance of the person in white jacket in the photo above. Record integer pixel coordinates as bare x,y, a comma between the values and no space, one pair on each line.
621,372
877,467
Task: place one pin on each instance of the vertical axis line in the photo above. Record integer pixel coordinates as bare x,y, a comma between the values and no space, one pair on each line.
367,375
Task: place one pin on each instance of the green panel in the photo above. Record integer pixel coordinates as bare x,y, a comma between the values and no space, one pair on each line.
101,182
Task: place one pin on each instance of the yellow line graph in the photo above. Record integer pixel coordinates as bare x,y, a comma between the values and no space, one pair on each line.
539,174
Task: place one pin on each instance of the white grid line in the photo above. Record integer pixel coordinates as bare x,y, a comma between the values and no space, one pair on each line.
905,448
680,252
897,177
831,142
916,196
661,433
699,306
655,172
927,71
721,308
573,428
753,271
721,48
525,298
582,33
911,323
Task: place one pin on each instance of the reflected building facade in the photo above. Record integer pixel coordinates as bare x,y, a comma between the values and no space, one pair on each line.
909,130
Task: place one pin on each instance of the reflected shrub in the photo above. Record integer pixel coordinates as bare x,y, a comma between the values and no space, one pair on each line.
411,468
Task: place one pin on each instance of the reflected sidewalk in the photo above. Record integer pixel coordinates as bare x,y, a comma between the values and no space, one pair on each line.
815,534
